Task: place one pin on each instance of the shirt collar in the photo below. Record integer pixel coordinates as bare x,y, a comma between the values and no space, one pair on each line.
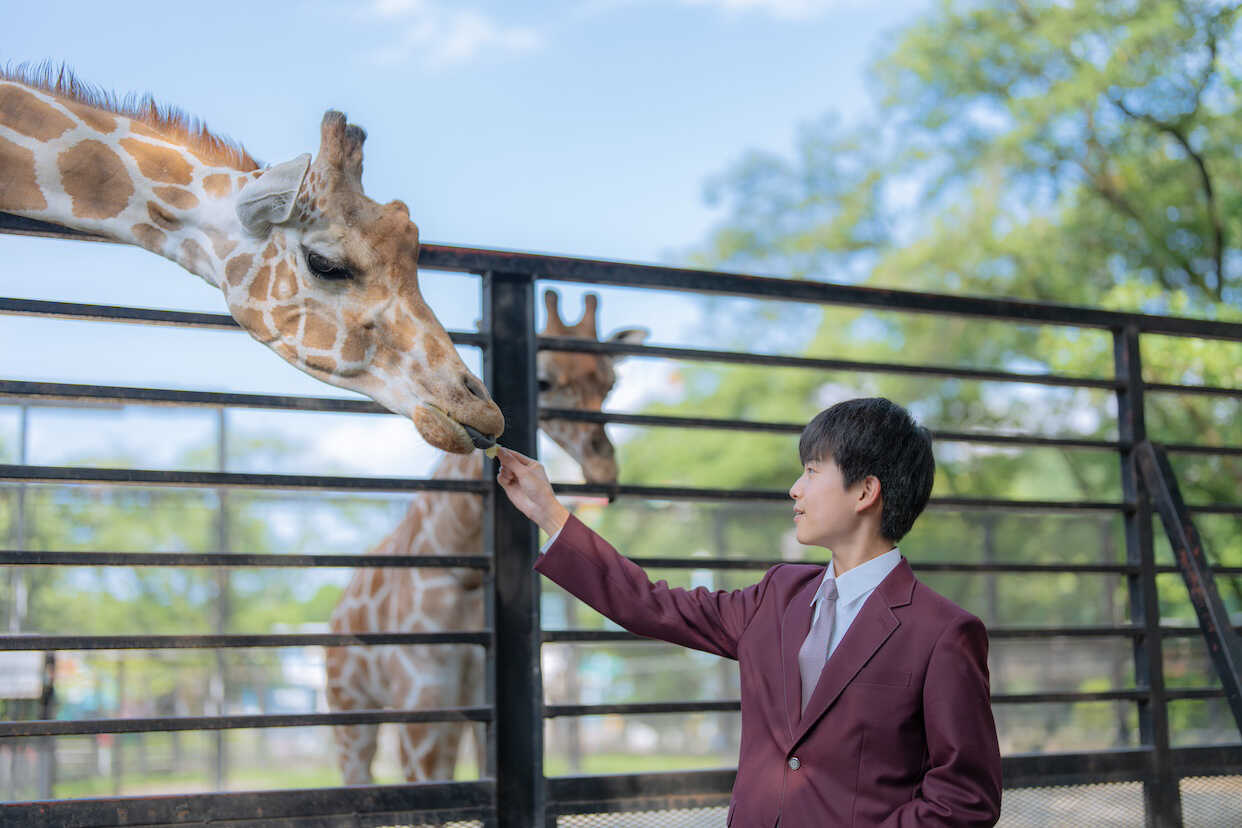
860,580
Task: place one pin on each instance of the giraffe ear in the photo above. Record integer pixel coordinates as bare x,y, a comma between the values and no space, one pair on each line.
628,336
269,198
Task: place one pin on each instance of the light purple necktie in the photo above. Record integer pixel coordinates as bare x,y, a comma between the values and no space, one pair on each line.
814,651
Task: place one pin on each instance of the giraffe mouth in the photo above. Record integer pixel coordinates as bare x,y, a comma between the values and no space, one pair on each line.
480,440
444,432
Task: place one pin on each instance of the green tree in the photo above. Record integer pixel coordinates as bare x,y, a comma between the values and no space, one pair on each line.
1071,152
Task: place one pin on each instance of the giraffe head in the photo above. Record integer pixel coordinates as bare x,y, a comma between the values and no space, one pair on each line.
328,279
579,380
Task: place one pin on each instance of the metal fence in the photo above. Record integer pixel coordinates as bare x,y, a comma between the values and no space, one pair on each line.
1153,781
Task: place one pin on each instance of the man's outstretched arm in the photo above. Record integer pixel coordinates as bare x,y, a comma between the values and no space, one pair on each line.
588,567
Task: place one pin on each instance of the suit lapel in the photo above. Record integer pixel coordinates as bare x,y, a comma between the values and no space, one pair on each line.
873,626
795,624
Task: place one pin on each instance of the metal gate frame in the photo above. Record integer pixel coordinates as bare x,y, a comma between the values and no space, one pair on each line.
514,791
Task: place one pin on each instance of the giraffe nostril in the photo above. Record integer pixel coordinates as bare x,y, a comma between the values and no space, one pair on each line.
475,387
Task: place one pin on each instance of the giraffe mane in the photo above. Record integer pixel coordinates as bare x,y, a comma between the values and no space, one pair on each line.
173,123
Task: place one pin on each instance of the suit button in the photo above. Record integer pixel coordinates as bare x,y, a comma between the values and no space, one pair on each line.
794,764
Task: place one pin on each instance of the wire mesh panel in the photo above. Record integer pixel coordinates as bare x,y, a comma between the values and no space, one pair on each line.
1211,801
1117,805
672,818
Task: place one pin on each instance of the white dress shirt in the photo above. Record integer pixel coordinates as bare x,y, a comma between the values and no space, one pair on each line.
853,587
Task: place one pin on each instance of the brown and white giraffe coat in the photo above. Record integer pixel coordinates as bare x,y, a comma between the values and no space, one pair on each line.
307,263
423,599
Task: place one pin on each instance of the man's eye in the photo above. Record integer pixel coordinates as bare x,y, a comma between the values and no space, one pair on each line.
325,268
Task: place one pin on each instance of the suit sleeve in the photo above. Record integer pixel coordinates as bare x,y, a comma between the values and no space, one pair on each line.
587,567
962,784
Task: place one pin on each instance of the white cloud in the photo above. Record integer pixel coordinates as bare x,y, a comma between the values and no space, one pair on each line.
438,35
781,9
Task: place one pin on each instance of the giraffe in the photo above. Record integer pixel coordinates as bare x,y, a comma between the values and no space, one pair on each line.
430,600
308,265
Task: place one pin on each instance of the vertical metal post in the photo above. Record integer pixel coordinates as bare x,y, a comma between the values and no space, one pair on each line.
219,681
1161,795
509,367
17,579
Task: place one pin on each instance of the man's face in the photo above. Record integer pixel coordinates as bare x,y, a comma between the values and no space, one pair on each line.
824,509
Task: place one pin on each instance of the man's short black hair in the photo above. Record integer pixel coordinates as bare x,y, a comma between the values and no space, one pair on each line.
876,436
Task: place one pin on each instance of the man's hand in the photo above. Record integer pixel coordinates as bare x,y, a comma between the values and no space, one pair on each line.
526,484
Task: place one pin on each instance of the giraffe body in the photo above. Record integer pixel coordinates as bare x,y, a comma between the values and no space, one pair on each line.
308,265
417,599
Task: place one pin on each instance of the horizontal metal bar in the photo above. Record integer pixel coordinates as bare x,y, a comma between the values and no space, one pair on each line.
39,391
152,725
553,711
949,503
14,557
1187,632
117,313
595,791
584,794
176,642
200,479
1036,770
22,226
1193,693
1070,697
151,477
1170,388
1207,760
624,637
1190,448
155,316
470,799
565,269
1165,569
730,706
919,566
580,415
1215,508
572,344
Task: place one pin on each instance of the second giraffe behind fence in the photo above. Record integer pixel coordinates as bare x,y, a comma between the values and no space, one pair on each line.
419,599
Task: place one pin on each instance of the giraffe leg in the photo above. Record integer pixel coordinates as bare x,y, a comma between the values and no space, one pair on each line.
473,695
355,744
429,751
355,750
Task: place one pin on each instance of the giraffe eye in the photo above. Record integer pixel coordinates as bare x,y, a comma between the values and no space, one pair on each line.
544,385
325,268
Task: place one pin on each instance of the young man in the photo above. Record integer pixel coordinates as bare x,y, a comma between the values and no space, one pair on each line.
865,696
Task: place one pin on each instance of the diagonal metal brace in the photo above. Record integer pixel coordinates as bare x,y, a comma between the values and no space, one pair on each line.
1224,644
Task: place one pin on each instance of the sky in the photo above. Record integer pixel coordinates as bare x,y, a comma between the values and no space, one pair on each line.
583,128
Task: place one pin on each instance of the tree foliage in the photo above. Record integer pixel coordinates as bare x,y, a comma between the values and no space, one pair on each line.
1075,152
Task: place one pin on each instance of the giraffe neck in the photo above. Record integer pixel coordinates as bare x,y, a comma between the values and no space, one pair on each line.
443,523
68,163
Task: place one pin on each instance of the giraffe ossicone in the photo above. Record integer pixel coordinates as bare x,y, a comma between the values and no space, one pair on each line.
308,264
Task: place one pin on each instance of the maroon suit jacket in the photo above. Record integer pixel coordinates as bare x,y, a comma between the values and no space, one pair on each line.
899,730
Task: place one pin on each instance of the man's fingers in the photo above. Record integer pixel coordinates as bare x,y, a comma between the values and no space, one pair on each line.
514,457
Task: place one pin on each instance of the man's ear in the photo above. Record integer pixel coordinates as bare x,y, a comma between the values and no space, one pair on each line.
269,198
868,493
628,336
